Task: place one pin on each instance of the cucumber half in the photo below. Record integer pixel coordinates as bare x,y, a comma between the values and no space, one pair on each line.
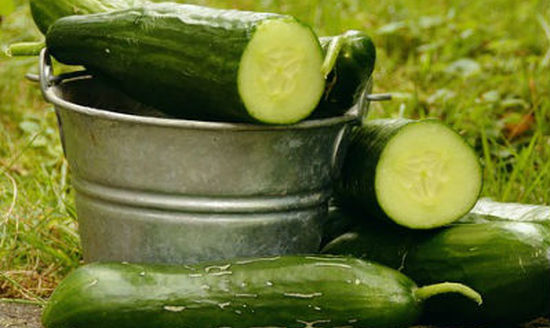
195,62
419,174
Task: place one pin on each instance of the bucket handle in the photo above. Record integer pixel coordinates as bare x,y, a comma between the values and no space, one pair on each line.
361,109
47,79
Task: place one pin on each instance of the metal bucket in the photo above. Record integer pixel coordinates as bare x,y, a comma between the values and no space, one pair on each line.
152,189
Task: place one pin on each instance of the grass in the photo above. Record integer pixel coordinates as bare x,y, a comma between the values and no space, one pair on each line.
482,66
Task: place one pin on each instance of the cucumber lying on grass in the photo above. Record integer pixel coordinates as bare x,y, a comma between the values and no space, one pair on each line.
290,291
419,174
351,73
487,210
508,263
197,62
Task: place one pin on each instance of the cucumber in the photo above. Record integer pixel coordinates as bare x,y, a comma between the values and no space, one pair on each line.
488,210
418,174
336,224
196,62
290,291
346,232
350,75
508,263
345,83
46,12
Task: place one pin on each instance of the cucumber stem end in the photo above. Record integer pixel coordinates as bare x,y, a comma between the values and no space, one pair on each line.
423,293
333,51
25,49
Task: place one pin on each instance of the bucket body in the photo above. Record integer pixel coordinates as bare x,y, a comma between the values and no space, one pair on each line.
159,190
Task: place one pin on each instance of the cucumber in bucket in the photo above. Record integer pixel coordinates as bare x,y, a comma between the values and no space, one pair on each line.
351,73
200,63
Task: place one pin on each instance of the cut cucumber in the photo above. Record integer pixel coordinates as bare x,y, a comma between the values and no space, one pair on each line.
200,63
427,176
419,174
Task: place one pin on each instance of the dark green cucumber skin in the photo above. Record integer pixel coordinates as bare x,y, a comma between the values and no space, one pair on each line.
336,224
183,59
237,293
355,186
508,263
46,12
487,210
346,232
350,75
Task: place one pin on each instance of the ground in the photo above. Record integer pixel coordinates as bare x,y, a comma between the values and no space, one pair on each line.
481,66
28,316
19,316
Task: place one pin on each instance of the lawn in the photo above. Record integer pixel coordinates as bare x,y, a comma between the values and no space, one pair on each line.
482,66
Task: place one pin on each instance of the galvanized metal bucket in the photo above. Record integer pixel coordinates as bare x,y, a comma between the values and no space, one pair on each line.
152,189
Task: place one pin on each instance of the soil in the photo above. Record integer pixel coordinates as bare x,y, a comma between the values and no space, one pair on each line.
19,316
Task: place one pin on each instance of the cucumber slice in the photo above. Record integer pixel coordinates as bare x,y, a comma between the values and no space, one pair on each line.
279,79
427,176
423,173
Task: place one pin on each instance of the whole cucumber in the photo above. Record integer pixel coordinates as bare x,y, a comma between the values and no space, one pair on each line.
290,291
350,75
488,210
507,262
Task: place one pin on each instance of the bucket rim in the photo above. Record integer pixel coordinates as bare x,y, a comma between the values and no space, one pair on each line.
49,82
61,103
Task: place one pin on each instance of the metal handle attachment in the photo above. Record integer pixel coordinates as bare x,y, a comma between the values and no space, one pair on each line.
47,78
361,109
32,77
379,97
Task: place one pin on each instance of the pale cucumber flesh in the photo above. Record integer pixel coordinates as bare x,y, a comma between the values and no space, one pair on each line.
280,79
427,176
